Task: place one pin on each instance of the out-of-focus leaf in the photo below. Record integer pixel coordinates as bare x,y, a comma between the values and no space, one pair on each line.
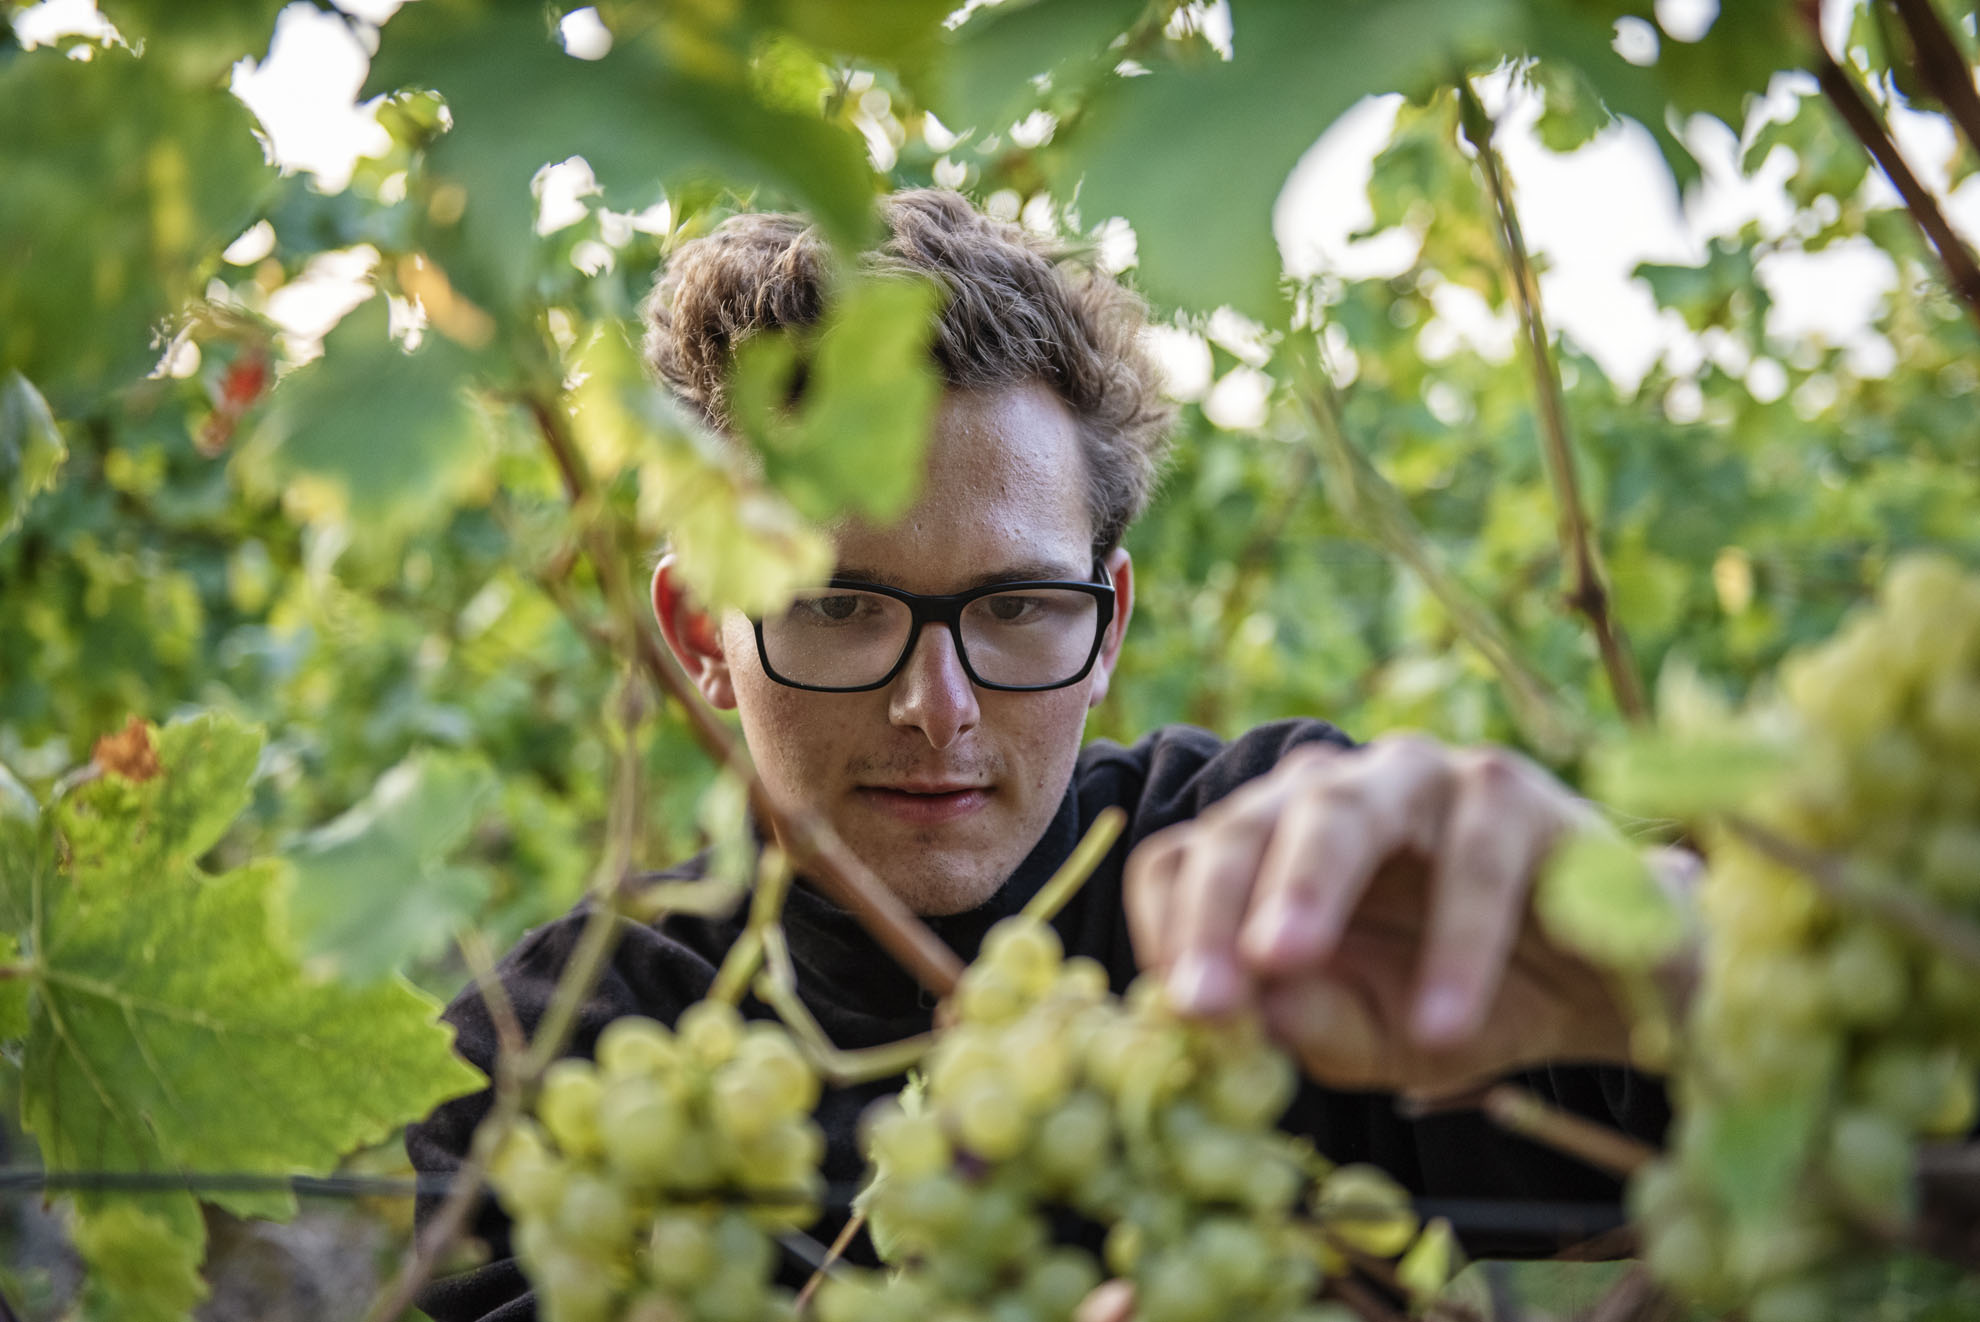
991,60
373,888
143,1254
891,31
13,994
31,449
1599,899
1580,34
519,103
1704,295
1244,123
1573,112
122,187
394,432
1686,776
854,443
23,852
202,41
1753,1148
740,543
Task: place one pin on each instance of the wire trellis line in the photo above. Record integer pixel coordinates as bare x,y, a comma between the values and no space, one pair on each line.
1543,1218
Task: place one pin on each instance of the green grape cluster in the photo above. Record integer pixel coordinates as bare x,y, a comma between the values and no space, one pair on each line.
648,1184
1048,1092
1823,1043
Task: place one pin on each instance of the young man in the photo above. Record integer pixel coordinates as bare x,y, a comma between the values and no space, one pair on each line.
929,704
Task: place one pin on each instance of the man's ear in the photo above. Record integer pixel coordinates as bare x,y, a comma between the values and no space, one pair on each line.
1119,568
693,635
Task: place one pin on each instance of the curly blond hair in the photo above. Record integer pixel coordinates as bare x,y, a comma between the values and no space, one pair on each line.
1016,309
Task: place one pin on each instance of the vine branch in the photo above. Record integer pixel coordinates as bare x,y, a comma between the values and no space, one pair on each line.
1587,592
1858,115
1936,55
1365,497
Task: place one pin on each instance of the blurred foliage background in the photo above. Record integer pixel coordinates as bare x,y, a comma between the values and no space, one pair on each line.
364,545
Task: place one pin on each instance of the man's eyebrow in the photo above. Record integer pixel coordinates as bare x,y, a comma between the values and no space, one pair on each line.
1023,571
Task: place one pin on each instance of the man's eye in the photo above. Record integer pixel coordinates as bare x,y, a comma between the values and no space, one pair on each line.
836,610
1013,609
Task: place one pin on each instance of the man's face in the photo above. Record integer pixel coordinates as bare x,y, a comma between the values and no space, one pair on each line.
940,787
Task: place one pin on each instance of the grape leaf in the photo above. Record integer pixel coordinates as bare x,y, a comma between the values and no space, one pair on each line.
393,431
1599,899
1753,1149
31,449
144,1253
893,31
171,818
855,442
1573,112
13,994
202,41
990,61
1295,68
519,103
1685,776
21,853
740,543
122,187
172,1027
373,888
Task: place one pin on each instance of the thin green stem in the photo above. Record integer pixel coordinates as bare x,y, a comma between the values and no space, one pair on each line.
1079,865
1365,498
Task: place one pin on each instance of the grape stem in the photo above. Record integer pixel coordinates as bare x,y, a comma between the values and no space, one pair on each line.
1522,1112
801,1306
1366,499
776,986
825,858
1587,592
1383,1273
1948,933
1635,1298
1079,865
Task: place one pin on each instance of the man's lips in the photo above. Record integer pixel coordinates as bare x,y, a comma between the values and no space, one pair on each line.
926,802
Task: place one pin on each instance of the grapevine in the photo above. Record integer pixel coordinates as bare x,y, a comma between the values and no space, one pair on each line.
1826,1041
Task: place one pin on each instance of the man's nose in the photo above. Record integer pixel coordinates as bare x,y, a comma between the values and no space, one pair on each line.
932,693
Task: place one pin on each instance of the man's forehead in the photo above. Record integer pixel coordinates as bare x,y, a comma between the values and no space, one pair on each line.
1028,569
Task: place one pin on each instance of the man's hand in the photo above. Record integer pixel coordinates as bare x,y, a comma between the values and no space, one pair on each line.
1375,906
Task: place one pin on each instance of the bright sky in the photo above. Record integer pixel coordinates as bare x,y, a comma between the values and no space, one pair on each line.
1591,216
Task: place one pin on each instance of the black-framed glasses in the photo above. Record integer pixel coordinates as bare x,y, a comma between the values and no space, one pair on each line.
850,636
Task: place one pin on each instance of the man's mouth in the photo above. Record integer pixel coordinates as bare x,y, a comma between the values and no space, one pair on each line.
926,802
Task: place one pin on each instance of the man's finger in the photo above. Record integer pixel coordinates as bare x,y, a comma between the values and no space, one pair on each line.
1330,1030
1334,835
1498,831
1147,886
1212,892
1110,1301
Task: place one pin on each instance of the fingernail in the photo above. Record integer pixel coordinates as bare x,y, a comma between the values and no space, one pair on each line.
1201,985
1441,1012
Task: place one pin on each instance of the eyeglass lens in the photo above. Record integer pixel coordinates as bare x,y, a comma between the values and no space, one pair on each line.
842,638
